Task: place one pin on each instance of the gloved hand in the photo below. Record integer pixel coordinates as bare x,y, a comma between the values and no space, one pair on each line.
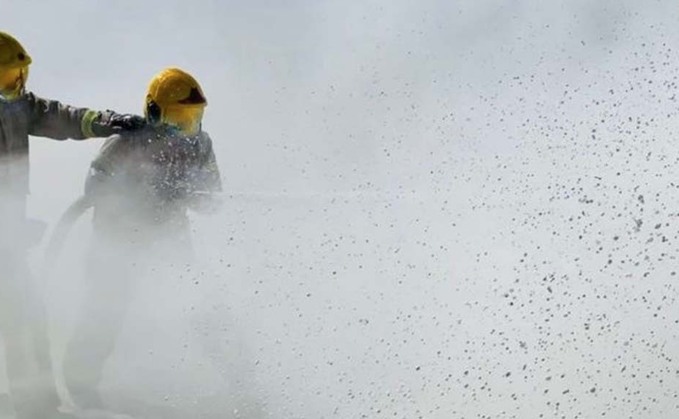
127,122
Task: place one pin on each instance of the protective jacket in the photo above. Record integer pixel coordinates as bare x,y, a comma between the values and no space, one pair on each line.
31,115
150,178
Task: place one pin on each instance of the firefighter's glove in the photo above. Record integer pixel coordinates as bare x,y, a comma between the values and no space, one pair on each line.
127,122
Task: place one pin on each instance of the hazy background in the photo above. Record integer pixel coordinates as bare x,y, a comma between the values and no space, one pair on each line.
440,209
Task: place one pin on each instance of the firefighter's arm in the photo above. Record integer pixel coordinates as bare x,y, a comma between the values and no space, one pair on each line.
206,197
211,178
56,120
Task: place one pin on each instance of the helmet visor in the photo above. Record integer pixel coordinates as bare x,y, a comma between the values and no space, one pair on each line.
13,82
185,117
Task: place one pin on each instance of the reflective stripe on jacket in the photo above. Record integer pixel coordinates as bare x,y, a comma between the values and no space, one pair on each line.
31,115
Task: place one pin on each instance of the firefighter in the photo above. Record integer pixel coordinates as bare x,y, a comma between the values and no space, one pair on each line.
22,322
140,187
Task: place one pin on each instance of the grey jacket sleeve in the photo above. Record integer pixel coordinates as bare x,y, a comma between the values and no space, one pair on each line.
207,181
50,118
210,177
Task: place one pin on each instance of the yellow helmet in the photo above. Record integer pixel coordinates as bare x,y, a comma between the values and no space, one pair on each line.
12,54
14,62
174,97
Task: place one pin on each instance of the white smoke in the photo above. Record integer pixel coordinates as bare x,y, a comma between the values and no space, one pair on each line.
433,209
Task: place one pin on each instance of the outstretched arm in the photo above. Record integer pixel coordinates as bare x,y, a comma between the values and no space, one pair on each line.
50,118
